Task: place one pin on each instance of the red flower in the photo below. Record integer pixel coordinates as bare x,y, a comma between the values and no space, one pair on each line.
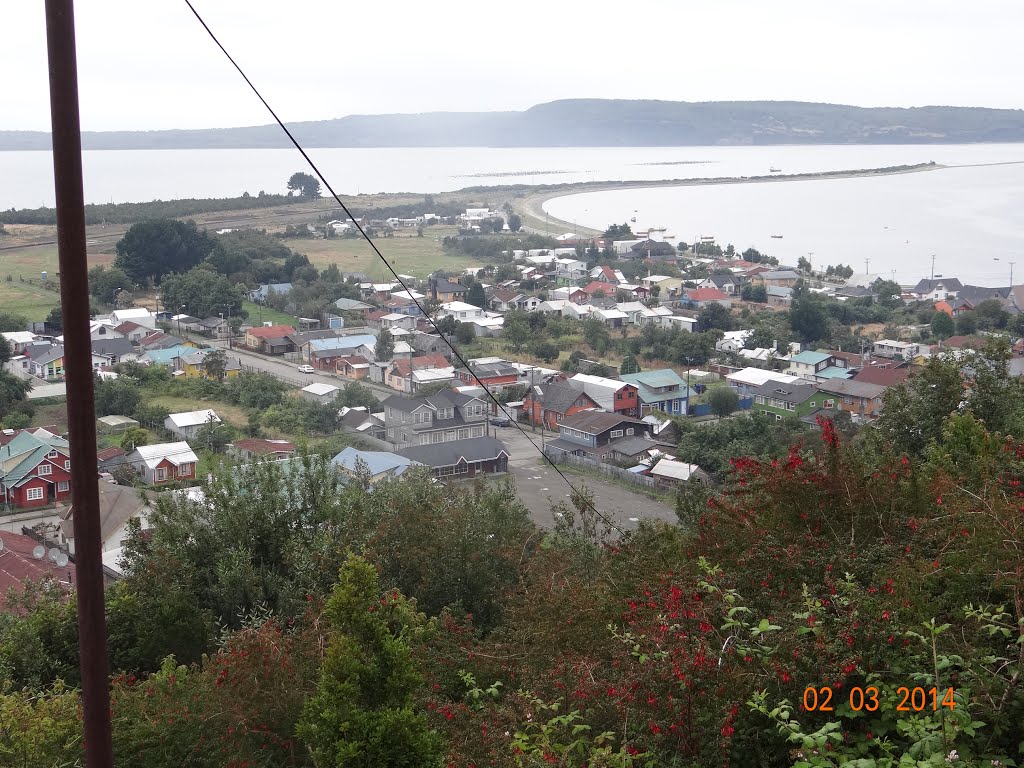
728,730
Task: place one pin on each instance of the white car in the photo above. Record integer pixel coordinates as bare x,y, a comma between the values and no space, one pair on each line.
306,369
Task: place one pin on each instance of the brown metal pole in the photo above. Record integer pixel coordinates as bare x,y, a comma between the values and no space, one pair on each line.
74,299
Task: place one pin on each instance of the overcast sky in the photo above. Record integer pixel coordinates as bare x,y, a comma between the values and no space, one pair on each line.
147,64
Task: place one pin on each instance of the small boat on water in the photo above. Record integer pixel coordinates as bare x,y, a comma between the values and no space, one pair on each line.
776,237
775,170
633,220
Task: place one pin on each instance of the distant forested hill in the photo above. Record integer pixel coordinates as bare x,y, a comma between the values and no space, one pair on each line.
594,123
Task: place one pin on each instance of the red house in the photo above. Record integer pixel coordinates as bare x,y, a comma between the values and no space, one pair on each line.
548,404
35,469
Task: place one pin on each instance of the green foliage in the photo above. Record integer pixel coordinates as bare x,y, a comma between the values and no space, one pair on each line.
515,222
13,392
202,293
384,349
619,232
465,333
362,715
475,295
307,185
723,401
153,248
756,293
41,728
629,364
808,315
133,437
55,320
714,316
545,351
516,329
967,323
9,322
595,333
254,390
104,283
356,395
942,325
711,446
117,397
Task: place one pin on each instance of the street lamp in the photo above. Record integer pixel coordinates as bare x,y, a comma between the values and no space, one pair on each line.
228,308
179,317
117,292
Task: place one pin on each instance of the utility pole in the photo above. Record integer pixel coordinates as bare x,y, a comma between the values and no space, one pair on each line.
1011,273
74,298
933,268
867,263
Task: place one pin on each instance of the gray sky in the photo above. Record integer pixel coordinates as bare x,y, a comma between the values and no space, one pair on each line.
147,64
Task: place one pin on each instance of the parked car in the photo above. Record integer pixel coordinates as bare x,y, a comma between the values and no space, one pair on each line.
501,422
307,369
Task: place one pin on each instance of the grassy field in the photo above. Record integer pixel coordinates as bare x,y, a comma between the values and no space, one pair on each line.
260,314
408,254
30,299
232,414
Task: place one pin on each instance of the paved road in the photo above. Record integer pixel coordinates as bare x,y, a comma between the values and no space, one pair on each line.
540,486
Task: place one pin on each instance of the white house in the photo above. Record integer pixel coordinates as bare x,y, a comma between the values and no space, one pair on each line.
679,321
733,341
164,462
186,425
320,393
136,315
570,269
460,310
600,388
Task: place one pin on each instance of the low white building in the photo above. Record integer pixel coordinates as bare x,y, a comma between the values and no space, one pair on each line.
460,310
320,393
903,350
186,425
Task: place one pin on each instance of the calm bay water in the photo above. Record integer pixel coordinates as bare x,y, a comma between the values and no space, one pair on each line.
967,216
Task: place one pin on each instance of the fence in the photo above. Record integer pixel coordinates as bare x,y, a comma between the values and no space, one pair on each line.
560,457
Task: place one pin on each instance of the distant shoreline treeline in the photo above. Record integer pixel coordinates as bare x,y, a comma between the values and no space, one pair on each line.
129,213
591,123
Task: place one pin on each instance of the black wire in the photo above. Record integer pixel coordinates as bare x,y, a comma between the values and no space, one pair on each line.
578,494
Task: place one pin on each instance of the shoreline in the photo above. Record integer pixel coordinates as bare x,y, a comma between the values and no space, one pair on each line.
531,207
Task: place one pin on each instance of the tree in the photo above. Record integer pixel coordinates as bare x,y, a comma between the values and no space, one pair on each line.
156,247
991,315
475,295
55,320
215,436
595,333
546,351
756,293
133,437
515,222
465,333
201,292
723,401
516,329
447,325
306,185
106,282
803,264
362,714
889,294
967,323
384,349
942,325
215,365
619,232
629,364
808,316
714,316
9,322
356,395
117,397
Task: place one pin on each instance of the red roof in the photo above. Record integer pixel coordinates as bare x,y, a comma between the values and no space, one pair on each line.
377,314
962,342
706,294
422,362
887,377
110,453
264,447
127,326
597,285
354,360
271,331
17,565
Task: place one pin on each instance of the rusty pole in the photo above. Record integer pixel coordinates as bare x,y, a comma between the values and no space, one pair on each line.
74,300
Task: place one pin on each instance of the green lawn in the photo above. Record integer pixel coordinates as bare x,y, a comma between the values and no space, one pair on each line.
231,414
259,314
30,299
408,254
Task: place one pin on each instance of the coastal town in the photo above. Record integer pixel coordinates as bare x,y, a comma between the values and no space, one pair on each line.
599,350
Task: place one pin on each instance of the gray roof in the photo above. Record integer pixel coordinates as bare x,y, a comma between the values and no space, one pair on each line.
794,392
927,286
454,451
376,461
852,388
645,381
631,446
977,294
344,303
594,422
558,397
114,347
49,355
779,274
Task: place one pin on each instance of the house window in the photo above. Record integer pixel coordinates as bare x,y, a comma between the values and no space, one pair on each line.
43,469
616,433
629,431
476,466
185,470
618,395
51,455
161,474
436,437
478,431
848,400
63,486
463,433
33,494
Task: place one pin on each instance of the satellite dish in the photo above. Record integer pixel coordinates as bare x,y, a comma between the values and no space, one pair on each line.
39,552
62,560
54,554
